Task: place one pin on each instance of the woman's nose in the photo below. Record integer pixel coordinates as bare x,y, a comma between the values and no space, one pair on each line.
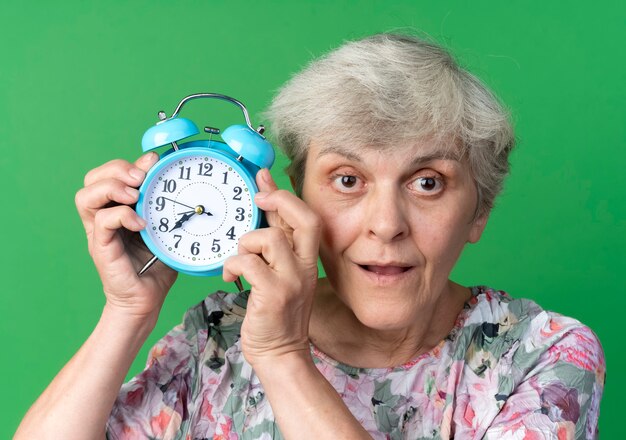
386,216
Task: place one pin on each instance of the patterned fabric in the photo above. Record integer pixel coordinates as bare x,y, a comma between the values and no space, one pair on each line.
508,370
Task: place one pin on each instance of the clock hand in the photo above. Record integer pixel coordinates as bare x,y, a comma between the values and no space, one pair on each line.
186,216
199,209
196,211
176,201
184,212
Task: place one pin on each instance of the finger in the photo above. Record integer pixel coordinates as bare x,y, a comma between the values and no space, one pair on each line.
99,194
298,216
131,174
108,221
266,184
270,243
251,267
147,161
265,181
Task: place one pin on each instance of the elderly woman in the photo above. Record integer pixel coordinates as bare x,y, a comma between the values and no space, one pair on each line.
396,157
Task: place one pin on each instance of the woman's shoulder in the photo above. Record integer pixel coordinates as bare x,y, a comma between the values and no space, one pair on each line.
524,365
491,305
494,308
521,330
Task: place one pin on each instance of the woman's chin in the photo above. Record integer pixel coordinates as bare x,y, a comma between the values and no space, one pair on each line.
384,316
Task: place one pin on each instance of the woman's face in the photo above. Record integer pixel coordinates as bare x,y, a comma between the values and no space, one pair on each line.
394,224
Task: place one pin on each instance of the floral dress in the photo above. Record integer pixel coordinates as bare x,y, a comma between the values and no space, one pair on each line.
507,370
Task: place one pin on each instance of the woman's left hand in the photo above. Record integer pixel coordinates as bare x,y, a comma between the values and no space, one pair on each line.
280,263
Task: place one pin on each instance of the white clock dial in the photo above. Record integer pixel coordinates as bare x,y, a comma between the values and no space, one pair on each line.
197,207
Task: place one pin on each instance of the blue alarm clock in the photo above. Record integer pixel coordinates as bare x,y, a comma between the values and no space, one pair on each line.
198,199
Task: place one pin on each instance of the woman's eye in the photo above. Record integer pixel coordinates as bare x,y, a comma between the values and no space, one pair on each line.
428,185
346,182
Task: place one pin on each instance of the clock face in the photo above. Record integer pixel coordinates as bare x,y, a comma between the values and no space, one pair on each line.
196,205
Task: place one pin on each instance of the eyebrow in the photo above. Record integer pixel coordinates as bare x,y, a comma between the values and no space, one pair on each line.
334,149
451,154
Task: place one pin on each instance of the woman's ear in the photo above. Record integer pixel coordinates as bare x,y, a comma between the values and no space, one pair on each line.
478,226
293,183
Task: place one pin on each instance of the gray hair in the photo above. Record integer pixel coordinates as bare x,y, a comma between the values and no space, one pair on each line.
386,89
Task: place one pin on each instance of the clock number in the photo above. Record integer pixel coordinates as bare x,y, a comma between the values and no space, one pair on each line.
195,248
184,173
231,233
238,192
216,245
239,216
178,241
225,178
169,185
160,201
164,226
204,169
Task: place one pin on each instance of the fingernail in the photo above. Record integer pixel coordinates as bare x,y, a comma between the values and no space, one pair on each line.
267,178
148,157
133,192
136,173
141,222
260,195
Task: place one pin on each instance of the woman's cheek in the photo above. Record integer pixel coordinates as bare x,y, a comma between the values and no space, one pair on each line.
339,226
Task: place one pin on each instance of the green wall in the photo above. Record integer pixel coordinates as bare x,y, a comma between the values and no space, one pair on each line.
80,81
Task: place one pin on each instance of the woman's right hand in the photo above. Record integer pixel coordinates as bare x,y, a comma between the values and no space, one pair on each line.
132,307
114,242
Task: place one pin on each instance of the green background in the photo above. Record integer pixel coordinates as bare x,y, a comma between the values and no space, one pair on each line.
80,81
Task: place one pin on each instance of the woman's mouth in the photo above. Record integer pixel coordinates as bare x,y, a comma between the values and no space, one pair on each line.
385,270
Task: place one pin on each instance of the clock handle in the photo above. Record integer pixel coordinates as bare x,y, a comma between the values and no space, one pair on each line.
224,98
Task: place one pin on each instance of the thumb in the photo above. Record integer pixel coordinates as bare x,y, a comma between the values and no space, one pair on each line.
265,181
146,161
267,186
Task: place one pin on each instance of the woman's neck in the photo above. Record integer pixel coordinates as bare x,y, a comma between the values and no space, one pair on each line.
336,331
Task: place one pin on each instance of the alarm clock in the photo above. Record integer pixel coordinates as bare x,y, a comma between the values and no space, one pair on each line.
198,199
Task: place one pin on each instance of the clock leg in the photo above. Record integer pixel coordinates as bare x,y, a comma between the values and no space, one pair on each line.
239,284
147,266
